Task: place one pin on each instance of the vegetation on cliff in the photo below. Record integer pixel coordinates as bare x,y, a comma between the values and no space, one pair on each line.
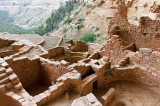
56,17
13,29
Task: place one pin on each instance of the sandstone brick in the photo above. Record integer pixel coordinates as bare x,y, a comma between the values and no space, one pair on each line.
2,70
33,101
16,97
43,98
2,76
61,85
18,86
48,94
5,65
9,85
31,98
16,81
25,103
4,80
53,87
37,98
108,96
33,104
21,100
13,77
9,71
25,94
3,88
8,59
9,93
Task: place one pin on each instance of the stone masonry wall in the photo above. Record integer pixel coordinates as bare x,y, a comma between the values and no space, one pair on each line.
8,101
28,71
53,70
4,43
56,52
146,35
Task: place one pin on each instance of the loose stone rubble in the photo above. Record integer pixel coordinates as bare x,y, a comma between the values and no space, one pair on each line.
33,76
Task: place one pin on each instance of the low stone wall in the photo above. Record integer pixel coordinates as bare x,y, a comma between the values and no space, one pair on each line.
81,68
52,70
28,71
133,74
58,51
108,96
8,101
87,84
4,42
6,53
79,46
70,80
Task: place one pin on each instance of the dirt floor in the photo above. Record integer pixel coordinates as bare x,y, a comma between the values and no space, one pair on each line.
37,89
130,94
64,100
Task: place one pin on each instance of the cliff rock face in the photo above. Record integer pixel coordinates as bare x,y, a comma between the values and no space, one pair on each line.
29,13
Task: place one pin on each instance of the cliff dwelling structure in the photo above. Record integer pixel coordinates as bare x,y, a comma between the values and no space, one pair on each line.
123,71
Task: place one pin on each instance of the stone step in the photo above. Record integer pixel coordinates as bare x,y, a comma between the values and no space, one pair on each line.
13,77
16,81
9,71
3,75
5,65
2,70
4,80
18,86
3,88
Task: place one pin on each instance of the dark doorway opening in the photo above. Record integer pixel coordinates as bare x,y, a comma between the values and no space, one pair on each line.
88,73
95,86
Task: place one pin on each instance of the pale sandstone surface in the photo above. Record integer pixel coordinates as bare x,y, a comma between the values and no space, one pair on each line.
131,94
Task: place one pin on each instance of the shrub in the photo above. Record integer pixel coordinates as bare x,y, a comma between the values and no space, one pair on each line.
79,24
13,29
41,30
88,37
100,40
68,20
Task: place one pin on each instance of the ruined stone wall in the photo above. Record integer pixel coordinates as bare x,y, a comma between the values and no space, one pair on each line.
87,84
79,47
66,82
8,101
52,70
6,53
146,35
147,58
114,50
56,52
134,74
141,67
28,71
4,42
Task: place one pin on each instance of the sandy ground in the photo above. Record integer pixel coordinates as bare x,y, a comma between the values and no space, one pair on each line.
64,100
37,89
130,94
